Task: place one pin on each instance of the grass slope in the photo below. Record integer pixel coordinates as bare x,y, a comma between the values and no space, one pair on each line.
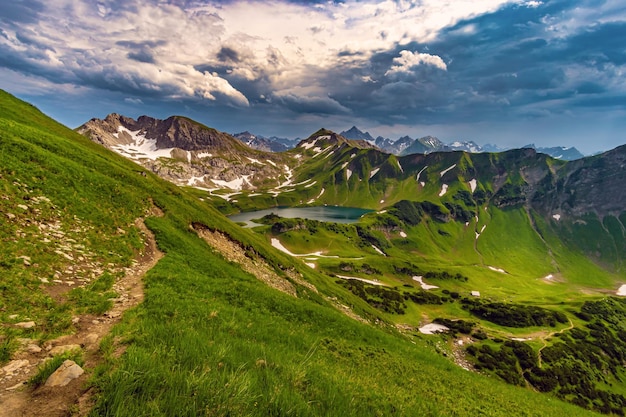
210,339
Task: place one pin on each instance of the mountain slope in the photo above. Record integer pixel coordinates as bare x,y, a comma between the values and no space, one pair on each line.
187,153
211,338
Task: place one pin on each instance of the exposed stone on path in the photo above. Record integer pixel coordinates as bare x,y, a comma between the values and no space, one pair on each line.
16,386
92,339
15,365
32,348
59,350
25,324
66,373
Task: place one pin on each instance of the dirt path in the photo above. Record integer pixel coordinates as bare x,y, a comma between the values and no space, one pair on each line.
545,342
17,399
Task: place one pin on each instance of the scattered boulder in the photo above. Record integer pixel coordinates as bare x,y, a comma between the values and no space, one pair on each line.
66,373
25,324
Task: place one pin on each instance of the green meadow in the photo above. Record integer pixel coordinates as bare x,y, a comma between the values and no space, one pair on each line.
211,339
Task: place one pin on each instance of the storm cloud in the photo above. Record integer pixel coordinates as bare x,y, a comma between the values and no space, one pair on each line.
458,69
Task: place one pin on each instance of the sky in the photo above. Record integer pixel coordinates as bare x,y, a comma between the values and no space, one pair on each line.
506,72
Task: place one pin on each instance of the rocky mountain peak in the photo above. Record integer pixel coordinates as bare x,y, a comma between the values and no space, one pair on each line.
355,133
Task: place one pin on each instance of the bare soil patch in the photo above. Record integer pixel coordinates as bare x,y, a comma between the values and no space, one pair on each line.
18,399
255,265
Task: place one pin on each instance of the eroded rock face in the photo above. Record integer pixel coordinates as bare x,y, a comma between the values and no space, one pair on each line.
590,185
198,155
66,373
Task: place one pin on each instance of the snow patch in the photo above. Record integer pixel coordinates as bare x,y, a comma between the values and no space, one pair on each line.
348,173
193,180
442,173
202,155
374,172
345,164
378,250
472,185
399,166
309,145
423,184
402,234
236,184
444,189
622,291
382,201
271,162
311,184
310,265
500,270
255,161
141,148
369,281
556,217
433,328
352,156
425,286
276,243
289,175
548,277
419,174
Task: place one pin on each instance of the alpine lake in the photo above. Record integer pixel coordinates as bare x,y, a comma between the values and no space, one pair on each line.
336,214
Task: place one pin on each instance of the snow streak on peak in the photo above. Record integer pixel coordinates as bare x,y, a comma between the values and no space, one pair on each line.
141,147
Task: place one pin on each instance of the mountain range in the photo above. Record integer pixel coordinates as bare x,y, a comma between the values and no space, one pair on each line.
404,145
407,145
328,168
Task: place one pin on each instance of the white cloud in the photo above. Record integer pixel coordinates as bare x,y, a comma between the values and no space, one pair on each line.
532,3
131,100
155,49
165,49
408,61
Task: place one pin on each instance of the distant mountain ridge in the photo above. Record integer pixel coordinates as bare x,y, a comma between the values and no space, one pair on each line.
406,145
260,143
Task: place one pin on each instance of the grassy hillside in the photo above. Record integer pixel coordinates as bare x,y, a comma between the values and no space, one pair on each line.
209,339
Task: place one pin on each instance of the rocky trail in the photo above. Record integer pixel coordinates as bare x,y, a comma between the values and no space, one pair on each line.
70,395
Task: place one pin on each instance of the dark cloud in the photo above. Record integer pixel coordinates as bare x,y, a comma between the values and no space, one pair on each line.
24,11
227,54
314,105
141,51
497,65
519,63
598,45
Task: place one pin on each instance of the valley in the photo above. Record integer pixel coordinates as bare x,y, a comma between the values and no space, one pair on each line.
506,264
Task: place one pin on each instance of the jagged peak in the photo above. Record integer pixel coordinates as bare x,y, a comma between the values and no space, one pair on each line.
327,137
